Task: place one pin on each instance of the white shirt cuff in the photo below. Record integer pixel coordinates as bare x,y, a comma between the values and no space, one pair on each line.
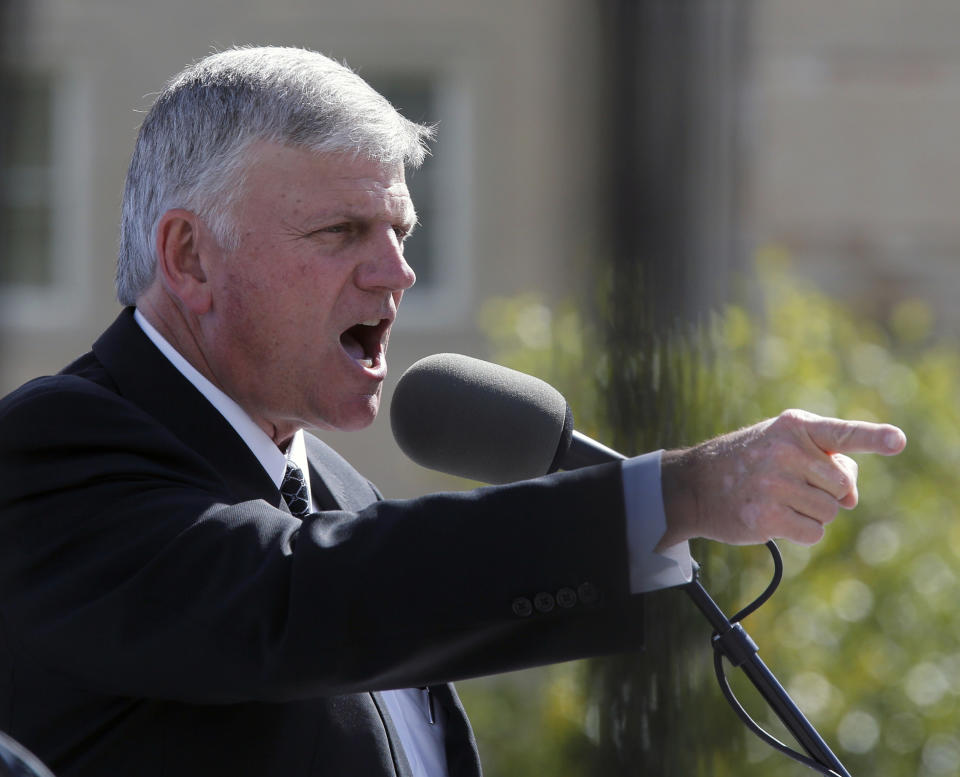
646,523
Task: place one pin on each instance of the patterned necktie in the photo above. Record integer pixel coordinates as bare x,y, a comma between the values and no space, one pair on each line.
294,490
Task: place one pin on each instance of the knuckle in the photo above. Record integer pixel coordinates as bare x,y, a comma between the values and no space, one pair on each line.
828,515
846,465
843,431
844,476
837,478
791,418
811,533
842,480
796,416
794,422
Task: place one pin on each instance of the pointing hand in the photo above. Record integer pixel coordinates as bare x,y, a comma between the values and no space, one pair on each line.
783,477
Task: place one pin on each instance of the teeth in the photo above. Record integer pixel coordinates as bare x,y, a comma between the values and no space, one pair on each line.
372,322
366,362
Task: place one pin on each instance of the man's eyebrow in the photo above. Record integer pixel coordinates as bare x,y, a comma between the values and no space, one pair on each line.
407,217
411,219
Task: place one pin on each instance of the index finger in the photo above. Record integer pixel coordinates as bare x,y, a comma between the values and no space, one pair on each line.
836,435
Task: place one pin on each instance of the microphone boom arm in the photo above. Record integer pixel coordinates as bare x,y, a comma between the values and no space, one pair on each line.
585,452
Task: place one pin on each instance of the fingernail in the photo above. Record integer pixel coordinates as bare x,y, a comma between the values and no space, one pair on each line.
894,439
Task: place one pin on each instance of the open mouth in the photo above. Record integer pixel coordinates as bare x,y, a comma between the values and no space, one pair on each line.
363,342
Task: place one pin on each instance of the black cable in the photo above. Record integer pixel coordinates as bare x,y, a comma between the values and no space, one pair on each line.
755,727
727,691
768,591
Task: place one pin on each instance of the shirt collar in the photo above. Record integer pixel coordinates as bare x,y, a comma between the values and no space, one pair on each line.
271,458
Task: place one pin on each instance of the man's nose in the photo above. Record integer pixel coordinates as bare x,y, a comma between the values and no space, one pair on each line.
386,268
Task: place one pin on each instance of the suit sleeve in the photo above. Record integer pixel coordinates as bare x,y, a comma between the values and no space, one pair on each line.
126,568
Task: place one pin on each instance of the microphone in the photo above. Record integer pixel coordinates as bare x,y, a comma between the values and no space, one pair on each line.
482,421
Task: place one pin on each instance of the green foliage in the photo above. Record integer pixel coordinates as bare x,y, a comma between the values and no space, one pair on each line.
533,722
863,631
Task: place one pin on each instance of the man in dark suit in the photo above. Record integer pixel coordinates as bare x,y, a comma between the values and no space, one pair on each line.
177,599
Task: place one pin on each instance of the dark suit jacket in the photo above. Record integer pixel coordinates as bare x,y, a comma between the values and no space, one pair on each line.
162,613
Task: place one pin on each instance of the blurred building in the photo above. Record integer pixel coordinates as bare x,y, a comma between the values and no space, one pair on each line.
856,167
851,162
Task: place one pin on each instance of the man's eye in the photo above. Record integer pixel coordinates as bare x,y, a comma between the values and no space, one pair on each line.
402,233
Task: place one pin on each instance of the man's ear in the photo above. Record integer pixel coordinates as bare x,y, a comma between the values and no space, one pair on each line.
181,259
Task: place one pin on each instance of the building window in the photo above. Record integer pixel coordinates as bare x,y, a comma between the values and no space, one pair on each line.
26,206
439,251
415,98
46,150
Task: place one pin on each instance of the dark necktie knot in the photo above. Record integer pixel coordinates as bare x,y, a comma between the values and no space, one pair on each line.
293,489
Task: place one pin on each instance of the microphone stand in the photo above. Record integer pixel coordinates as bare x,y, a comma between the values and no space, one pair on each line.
732,642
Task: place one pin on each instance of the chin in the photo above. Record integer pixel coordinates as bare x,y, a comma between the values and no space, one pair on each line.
353,418
355,424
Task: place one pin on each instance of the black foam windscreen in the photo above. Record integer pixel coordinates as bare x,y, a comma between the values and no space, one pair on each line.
479,420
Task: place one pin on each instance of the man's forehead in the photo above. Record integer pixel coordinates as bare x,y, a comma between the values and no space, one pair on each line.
329,179
367,194
356,183
267,157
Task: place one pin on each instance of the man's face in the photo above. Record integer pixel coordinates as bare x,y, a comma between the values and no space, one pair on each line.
302,310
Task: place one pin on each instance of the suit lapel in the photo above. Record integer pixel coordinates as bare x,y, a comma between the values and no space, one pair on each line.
400,762
335,484
463,758
147,378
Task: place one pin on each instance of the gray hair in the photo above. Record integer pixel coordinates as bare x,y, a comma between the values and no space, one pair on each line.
191,149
